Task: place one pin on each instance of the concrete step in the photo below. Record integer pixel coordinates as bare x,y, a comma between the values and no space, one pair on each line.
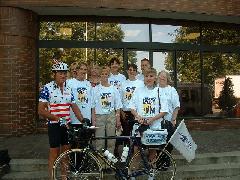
222,170
34,175
205,166
210,158
28,165
224,178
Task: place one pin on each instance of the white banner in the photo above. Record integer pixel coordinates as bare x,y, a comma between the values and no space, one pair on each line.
183,142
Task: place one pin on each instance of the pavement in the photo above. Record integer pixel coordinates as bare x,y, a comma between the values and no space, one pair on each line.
36,146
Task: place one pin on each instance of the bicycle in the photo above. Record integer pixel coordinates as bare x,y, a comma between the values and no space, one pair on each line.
86,162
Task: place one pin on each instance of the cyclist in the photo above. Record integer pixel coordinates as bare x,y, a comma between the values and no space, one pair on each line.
55,101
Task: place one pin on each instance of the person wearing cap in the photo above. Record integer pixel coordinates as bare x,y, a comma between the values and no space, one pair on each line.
55,101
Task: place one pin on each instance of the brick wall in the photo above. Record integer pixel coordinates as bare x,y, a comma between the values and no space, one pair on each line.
18,33
213,7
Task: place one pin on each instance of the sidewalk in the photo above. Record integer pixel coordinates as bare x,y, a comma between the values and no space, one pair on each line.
36,146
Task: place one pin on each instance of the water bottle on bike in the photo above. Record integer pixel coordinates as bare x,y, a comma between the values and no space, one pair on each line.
110,156
124,154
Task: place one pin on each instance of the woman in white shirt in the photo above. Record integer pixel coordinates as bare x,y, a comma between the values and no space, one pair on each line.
145,104
171,94
106,110
82,91
172,97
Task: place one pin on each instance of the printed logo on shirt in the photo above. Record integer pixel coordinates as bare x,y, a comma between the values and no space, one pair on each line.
66,93
149,106
82,95
129,92
115,83
106,101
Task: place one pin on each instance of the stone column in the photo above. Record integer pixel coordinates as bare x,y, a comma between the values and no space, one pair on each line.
18,48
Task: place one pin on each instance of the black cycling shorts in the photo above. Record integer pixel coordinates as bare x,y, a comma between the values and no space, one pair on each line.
57,135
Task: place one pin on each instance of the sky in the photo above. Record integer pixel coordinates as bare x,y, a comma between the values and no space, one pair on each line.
140,33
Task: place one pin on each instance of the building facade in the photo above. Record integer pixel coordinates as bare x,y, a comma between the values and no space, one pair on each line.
19,42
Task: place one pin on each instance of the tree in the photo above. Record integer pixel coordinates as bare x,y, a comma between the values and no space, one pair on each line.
77,31
214,64
227,99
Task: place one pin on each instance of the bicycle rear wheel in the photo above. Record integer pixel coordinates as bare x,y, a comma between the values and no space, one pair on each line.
77,164
136,165
164,165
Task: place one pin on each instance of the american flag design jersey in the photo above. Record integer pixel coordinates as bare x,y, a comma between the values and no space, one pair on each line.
58,103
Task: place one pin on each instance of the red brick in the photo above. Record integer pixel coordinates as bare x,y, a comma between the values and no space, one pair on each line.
18,36
214,7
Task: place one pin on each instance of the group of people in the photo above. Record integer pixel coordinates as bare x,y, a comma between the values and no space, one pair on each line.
106,97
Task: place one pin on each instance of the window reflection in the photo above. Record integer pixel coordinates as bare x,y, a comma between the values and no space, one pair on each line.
81,31
216,68
220,35
171,34
163,61
135,32
109,32
164,33
189,83
136,57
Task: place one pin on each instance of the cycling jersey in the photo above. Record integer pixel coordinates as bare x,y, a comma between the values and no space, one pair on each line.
58,103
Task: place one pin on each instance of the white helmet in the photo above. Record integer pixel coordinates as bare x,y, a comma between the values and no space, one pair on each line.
60,66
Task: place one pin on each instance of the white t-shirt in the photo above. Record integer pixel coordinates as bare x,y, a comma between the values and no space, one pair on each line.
140,76
171,94
146,103
106,99
116,80
127,90
58,103
82,91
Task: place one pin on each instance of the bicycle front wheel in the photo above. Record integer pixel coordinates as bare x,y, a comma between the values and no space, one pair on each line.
164,165
77,164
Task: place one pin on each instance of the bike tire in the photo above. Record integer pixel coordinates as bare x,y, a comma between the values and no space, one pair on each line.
164,165
136,165
77,164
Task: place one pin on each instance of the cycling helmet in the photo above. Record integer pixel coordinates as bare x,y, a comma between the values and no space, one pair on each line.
60,66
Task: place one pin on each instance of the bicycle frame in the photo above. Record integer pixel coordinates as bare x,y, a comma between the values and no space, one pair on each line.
123,170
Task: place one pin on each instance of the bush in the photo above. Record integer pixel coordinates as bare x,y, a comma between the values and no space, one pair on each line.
227,100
